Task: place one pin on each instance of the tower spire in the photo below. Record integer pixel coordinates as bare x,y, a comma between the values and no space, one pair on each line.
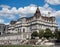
37,13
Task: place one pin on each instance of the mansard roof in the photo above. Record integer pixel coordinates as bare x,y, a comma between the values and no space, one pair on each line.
12,22
47,18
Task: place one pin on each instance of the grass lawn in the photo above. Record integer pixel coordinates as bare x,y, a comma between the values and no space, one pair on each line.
21,46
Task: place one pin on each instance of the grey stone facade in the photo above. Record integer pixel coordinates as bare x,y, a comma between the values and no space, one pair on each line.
2,28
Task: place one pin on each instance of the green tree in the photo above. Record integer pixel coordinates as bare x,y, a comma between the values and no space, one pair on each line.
48,33
57,34
41,33
34,34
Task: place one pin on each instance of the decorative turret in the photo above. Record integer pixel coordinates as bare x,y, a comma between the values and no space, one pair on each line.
37,13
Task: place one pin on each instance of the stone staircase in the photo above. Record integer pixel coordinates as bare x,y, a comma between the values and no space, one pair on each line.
25,42
38,42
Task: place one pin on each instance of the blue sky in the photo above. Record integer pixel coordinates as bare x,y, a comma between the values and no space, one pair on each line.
14,9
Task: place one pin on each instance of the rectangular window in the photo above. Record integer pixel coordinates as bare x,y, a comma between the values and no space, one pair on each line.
23,30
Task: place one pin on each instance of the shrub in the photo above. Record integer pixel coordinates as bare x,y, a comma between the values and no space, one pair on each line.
34,34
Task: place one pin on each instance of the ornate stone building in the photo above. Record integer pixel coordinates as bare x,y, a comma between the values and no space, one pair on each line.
25,26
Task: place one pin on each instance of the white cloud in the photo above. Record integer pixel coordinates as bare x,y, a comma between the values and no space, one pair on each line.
53,2
57,13
6,12
23,12
46,5
27,11
1,20
6,23
13,10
